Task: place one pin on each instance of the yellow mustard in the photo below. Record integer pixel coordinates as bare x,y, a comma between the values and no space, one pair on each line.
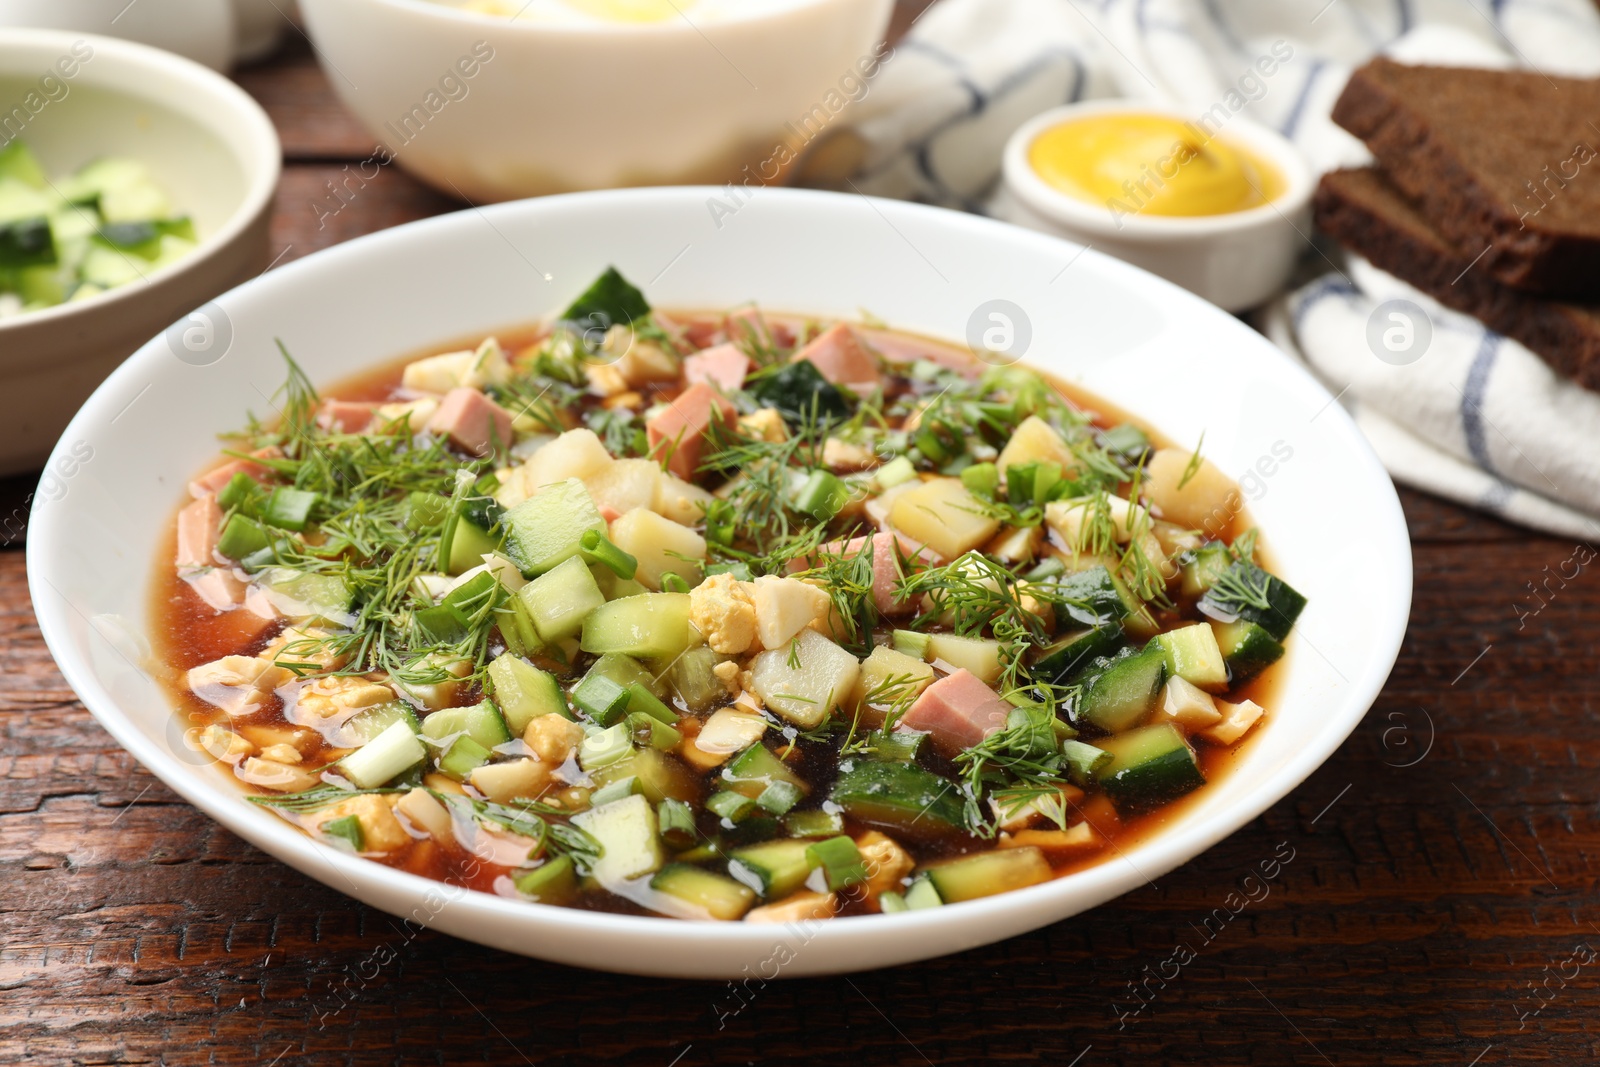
630,10
1151,164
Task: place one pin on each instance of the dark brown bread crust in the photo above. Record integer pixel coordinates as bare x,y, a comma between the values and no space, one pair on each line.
1364,212
1504,159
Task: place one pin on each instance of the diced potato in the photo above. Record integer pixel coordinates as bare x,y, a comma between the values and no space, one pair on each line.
639,362
414,414
1068,517
892,678
1072,839
624,485
575,454
605,380
784,607
1035,440
380,830
679,500
1187,705
841,455
223,744
473,369
1207,501
805,681
980,655
504,782
661,547
944,516
1237,720
796,908
1015,544
424,811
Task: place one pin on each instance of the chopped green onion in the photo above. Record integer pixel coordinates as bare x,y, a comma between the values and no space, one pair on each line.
1048,568
982,479
641,699
1083,760
730,806
722,522
601,697
779,797
289,509
896,747
923,894
823,495
602,748
241,537
239,492
553,880
892,902
840,861
911,643
464,757
595,548
814,823
672,582
676,820
647,730
622,787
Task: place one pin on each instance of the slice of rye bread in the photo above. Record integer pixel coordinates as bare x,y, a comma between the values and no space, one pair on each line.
1504,159
1365,212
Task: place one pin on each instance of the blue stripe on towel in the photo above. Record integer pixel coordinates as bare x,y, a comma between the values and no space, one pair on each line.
1472,421
1496,499
1329,285
1296,111
1406,17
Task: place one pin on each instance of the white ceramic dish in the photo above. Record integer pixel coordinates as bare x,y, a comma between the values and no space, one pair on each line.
553,108
1236,261
209,145
1134,339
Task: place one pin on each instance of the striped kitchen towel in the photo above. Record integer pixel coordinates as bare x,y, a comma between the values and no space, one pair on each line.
1475,418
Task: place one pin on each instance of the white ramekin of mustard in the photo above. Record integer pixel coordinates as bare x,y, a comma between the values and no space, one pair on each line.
1212,201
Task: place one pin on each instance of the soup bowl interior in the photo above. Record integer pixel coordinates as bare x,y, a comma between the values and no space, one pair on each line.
118,474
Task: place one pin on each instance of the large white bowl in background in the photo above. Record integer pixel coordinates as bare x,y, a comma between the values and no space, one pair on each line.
201,30
554,108
208,144
1236,260
118,476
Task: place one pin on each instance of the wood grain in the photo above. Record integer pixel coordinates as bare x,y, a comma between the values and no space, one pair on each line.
1422,906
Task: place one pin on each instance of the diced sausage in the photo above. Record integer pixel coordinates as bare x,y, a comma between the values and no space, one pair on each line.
199,530
213,480
957,711
723,366
682,426
472,421
886,570
840,357
347,416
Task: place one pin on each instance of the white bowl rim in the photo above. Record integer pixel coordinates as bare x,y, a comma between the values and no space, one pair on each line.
680,26
1104,881
260,183
1024,181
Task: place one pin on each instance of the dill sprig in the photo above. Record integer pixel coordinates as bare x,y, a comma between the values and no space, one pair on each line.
1239,588
314,799
1021,759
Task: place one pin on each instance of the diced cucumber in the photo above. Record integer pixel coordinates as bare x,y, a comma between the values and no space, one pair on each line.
1202,567
800,393
922,894
524,692
304,595
26,243
1192,654
1149,766
650,625
756,768
774,869
548,527
616,790
602,698
840,861
1070,654
1137,621
1245,591
984,874
109,268
18,163
482,722
630,843
718,897
693,679
560,599
468,545
814,823
902,796
1119,692
365,725
676,822
1246,648
603,748
463,756
1092,597
554,881
658,776
384,758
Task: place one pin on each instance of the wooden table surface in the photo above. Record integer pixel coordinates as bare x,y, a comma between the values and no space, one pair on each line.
1437,906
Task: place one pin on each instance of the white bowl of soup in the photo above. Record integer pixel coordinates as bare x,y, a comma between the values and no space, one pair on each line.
1106,340
1214,202
196,142
587,94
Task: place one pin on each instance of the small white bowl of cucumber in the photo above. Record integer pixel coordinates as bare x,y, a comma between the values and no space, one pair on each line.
135,185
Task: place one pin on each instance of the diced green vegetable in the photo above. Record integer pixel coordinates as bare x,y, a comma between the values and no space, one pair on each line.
463,756
911,643
604,748
554,881
650,626
596,549
676,820
1149,766
840,861
734,807
1246,648
1245,591
1193,655
629,840
822,495
984,874
346,828
524,692
774,869
1066,656
1083,760
548,527
560,599
610,300
717,897
384,758
814,823
1119,692
922,894
650,732
756,768
800,393
903,797
242,536
482,722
